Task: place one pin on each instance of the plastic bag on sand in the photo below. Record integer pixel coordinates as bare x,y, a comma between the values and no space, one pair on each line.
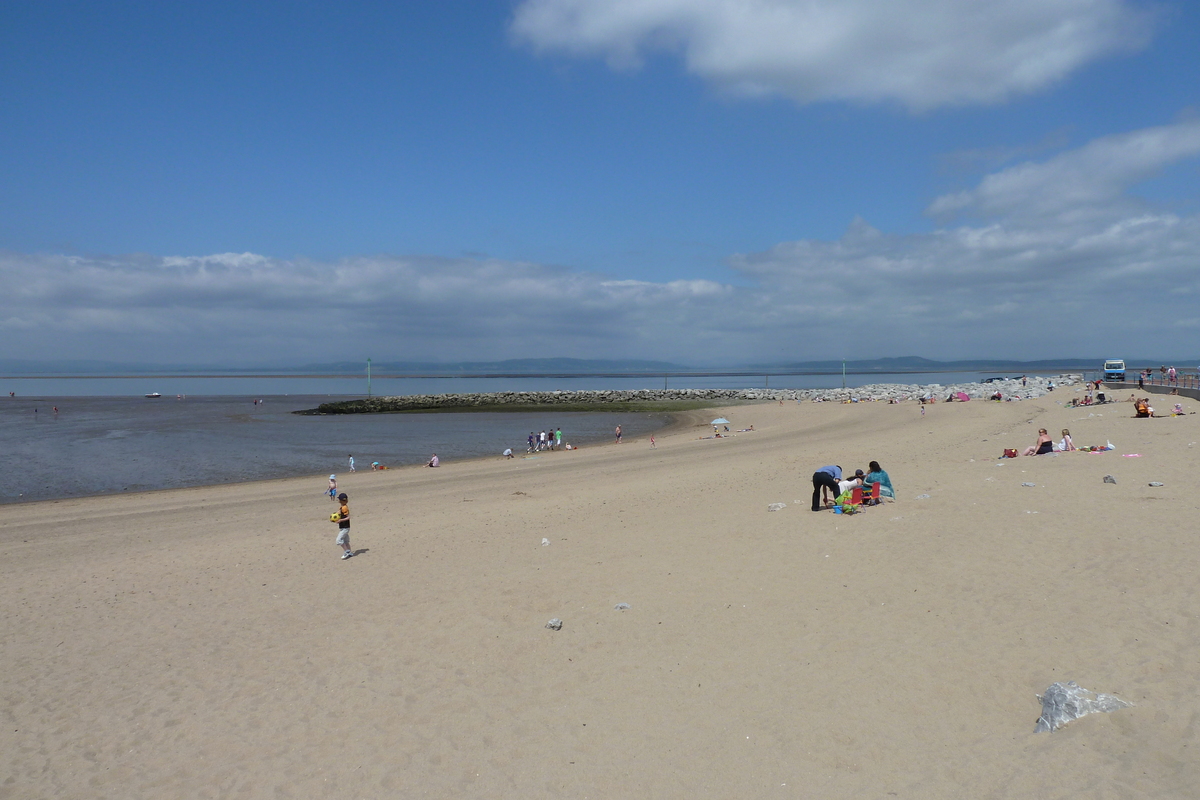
1064,702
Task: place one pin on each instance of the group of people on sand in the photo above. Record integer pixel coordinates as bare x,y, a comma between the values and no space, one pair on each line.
545,441
1045,444
828,481
1142,408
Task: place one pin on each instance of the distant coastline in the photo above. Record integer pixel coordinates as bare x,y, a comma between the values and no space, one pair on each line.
548,368
521,375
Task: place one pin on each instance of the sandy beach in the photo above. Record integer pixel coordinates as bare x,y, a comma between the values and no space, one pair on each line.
210,643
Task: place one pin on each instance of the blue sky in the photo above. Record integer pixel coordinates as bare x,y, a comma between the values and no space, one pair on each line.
704,181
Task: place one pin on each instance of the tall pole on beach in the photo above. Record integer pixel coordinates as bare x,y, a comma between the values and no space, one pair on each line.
368,379
843,373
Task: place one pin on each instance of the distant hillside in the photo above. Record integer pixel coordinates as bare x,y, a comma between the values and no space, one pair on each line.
575,366
918,364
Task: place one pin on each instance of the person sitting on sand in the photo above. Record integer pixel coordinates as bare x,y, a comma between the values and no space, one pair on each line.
1042,446
1066,445
877,475
434,462
1142,409
508,453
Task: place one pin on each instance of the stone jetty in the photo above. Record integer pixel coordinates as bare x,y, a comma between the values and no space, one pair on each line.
600,399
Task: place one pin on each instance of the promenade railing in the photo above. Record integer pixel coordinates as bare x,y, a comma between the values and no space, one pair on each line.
1156,378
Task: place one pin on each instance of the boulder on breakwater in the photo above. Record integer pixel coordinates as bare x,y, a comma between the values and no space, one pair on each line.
623,399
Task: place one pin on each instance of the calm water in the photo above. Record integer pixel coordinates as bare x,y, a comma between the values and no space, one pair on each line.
103,445
108,438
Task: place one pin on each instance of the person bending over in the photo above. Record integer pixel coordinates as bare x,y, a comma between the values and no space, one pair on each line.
825,480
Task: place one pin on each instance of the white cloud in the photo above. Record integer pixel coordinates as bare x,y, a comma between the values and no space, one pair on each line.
1090,271
252,309
1087,180
1064,261
919,53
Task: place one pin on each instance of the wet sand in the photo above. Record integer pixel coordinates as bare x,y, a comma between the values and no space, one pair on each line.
210,643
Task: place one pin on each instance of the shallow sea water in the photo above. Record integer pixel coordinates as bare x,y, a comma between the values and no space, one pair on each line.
105,445
107,438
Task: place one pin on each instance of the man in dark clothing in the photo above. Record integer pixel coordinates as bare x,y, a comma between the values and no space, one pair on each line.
825,478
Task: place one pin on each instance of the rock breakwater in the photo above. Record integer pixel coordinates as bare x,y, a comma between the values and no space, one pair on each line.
600,400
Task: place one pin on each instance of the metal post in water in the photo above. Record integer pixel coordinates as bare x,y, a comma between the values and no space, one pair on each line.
368,378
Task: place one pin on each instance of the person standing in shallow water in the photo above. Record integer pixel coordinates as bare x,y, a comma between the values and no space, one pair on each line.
618,434
351,463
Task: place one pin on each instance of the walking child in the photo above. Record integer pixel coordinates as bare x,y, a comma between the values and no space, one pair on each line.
342,518
332,487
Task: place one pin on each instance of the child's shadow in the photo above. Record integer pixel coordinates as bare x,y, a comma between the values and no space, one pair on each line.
363,550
